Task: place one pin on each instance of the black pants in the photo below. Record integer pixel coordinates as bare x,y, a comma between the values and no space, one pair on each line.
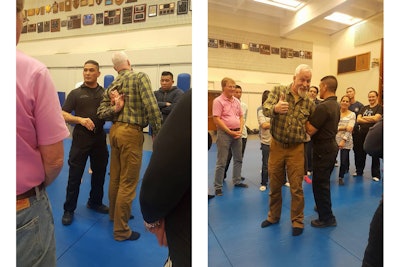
228,161
360,156
373,256
86,144
324,158
344,162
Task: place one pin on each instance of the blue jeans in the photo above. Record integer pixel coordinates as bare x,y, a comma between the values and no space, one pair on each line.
264,167
36,245
224,143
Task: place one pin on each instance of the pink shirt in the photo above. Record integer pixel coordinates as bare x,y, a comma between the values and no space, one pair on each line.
39,120
229,111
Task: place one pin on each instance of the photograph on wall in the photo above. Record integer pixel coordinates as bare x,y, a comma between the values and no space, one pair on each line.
265,49
40,27
64,23
108,2
112,17
99,18
283,52
212,43
139,13
67,4
308,54
166,9
290,53
221,43
296,53
32,27
74,22
253,47
127,13
275,50
46,26
152,10
88,19
55,25
182,7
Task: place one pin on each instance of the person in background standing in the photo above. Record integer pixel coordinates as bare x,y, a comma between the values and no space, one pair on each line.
265,139
373,255
40,131
344,137
130,103
238,95
313,95
88,140
322,127
356,107
228,117
367,117
165,194
167,95
289,109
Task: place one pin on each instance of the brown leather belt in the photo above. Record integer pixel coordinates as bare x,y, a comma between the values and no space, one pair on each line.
31,192
133,125
236,129
286,145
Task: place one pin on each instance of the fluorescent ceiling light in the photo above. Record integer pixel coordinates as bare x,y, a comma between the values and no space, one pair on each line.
286,4
343,18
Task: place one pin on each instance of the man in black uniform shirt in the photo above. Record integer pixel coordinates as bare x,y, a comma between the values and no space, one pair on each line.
322,127
88,140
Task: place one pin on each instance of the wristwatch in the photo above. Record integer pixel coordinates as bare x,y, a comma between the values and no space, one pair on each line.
150,226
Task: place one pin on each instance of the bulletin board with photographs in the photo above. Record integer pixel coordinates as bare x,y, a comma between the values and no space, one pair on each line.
60,17
261,53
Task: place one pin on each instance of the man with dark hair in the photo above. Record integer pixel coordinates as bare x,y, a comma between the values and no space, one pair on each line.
322,127
88,140
356,107
167,95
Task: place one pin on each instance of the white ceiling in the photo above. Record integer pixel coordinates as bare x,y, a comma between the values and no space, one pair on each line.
310,18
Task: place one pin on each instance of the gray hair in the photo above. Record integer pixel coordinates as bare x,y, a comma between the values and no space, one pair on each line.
302,67
119,58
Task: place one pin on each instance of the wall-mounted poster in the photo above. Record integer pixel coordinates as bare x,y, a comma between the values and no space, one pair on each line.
139,13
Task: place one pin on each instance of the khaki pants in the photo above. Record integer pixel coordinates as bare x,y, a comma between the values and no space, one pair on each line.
293,158
126,143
